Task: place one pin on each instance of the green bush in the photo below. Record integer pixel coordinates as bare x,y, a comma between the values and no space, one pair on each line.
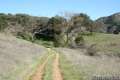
60,40
25,36
91,50
3,22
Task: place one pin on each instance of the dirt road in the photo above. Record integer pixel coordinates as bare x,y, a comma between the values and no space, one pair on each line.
38,75
56,73
56,69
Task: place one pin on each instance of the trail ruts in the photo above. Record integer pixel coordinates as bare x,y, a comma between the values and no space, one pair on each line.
56,69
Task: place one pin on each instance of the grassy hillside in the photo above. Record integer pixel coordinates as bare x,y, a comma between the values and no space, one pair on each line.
75,65
18,57
105,43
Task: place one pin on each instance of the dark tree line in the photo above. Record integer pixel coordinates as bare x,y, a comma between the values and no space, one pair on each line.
68,32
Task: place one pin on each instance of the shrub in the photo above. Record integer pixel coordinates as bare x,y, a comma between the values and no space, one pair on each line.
79,40
25,36
3,22
91,50
60,40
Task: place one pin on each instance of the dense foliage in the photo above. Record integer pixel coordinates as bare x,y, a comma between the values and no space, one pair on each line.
58,29
3,22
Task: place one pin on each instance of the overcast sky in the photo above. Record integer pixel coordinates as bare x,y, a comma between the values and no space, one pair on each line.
94,8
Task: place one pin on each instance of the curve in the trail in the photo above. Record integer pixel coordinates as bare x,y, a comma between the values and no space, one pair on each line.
38,75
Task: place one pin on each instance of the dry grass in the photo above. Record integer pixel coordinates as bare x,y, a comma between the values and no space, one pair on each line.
17,57
91,65
105,43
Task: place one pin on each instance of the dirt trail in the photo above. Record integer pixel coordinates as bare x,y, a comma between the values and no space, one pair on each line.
39,72
56,69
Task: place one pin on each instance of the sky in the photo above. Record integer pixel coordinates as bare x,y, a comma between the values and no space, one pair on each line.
49,8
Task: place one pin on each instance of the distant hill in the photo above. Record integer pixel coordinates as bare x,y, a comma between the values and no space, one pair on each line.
20,23
109,24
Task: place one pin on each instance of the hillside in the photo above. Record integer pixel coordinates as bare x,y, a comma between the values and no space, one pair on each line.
58,30
23,60
100,59
73,48
20,23
106,43
109,24
75,65
18,57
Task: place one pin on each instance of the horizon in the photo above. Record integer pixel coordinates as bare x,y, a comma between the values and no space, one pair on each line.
48,8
